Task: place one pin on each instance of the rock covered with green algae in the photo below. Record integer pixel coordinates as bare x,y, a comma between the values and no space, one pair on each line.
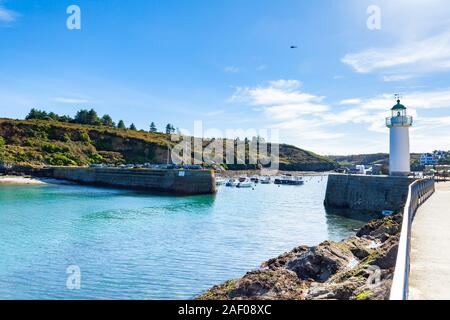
264,284
358,268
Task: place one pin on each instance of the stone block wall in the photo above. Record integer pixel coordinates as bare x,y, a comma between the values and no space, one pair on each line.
372,194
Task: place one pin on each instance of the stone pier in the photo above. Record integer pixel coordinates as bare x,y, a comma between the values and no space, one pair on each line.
371,194
178,182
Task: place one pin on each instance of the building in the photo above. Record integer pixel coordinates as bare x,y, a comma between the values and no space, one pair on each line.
439,154
428,159
432,159
399,124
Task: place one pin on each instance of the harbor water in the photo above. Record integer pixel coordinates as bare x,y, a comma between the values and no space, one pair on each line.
131,245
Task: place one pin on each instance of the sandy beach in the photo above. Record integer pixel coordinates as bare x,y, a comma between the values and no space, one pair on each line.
18,180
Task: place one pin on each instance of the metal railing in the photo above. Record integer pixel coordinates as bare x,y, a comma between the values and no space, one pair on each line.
399,121
419,192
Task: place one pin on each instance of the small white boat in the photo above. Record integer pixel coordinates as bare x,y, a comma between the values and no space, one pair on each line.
232,183
220,181
265,180
247,183
243,178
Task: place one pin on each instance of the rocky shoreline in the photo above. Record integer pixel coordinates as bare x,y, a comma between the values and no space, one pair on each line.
357,268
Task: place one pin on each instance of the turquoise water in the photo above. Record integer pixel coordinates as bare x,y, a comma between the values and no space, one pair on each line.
132,245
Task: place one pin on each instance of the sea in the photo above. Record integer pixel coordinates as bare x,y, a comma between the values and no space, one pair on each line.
65,241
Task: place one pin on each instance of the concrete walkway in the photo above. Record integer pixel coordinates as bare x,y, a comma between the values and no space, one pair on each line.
430,248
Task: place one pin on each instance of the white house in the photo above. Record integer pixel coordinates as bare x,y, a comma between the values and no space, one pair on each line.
428,159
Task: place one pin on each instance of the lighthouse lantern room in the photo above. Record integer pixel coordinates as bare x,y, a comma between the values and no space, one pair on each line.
399,124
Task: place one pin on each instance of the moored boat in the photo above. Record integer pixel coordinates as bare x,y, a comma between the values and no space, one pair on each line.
220,181
265,180
254,179
289,180
232,183
247,183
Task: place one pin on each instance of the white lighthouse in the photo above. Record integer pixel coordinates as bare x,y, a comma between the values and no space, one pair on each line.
399,124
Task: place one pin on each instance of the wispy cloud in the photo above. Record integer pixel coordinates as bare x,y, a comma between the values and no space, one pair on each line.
232,69
261,67
393,78
422,56
6,15
69,100
297,114
372,111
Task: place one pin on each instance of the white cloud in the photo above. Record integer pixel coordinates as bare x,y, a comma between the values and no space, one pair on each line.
437,99
431,126
427,55
261,67
393,78
276,93
7,15
69,100
297,114
289,111
231,69
353,125
350,101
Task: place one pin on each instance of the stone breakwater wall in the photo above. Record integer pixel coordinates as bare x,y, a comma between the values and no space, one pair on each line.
179,182
371,194
187,182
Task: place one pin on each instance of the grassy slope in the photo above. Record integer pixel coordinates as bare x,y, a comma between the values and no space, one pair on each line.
368,159
48,142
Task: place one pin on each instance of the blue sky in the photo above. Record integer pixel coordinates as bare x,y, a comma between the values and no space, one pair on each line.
229,64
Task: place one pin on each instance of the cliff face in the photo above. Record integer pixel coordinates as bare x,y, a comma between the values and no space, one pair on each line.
358,268
54,143
37,142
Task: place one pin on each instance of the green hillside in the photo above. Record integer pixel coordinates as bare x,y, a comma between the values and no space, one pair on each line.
54,142
371,159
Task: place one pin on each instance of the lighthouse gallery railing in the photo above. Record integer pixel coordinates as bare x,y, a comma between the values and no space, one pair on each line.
399,121
419,192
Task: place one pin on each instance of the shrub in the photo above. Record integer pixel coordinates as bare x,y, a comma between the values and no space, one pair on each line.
51,148
95,158
59,159
66,137
84,137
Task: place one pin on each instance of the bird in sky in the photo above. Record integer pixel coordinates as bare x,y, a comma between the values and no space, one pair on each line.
294,47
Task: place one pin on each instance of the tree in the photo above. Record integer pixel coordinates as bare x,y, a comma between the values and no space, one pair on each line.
93,118
31,114
121,125
153,127
53,116
107,120
170,129
36,114
87,117
66,119
82,117
133,127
